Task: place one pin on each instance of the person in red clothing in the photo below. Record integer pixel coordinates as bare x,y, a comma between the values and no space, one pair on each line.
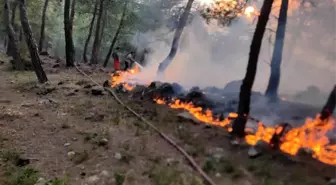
116,61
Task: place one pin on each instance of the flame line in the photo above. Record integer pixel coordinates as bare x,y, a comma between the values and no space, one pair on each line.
311,135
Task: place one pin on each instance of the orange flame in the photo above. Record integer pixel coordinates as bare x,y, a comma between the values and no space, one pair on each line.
122,77
220,6
311,135
249,11
205,116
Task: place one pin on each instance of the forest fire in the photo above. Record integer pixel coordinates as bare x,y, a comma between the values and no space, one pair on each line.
124,77
249,11
228,8
310,136
205,116
118,78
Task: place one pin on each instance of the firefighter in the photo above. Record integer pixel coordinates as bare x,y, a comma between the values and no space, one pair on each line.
116,61
129,61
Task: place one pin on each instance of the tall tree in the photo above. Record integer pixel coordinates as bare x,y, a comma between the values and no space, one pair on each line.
178,32
246,87
17,61
10,50
96,42
14,7
44,11
68,26
90,32
329,107
121,23
274,80
31,43
104,21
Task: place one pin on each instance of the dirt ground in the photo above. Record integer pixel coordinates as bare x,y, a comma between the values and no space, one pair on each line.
70,136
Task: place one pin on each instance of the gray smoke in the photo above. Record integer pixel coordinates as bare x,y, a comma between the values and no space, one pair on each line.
211,55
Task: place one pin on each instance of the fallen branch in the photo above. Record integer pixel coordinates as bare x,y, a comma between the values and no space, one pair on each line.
164,136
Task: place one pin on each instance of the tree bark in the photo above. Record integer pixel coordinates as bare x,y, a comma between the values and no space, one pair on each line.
13,12
21,34
181,24
274,80
246,87
104,21
72,13
121,23
5,42
13,41
68,25
35,58
329,107
96,42
90,32
44,11
10,50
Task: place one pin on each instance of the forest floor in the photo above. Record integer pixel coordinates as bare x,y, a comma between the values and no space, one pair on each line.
70,136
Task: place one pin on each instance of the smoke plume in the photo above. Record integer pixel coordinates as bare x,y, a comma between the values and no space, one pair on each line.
211,55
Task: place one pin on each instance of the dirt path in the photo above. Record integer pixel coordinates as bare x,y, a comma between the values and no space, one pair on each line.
80,138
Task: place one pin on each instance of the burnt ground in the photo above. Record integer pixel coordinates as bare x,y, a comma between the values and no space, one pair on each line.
69,136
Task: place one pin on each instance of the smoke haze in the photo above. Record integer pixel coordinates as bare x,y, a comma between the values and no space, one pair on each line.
210,55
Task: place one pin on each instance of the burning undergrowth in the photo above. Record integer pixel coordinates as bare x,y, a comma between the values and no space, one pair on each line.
213,108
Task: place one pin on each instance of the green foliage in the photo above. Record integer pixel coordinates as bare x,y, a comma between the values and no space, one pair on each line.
221,165
119,178
140,16
224,11
58,181
9,156
209,165
22,176
168,175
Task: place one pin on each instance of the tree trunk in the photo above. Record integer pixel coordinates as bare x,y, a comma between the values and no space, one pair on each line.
181,24
18,64
5,42
121,23
246,87
68,24
329,107
10,50
96,42
104,21
20,34
13,12
90,32
41,41
35,58
274,80
72,13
